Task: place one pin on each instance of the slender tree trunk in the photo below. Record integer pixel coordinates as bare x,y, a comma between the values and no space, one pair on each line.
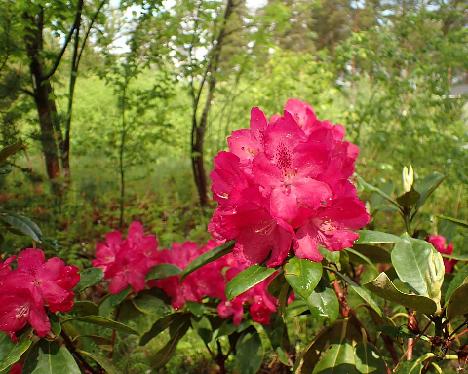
199,128
43,94
65,140
123,136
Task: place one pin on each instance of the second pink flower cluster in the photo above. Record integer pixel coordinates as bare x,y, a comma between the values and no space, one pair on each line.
126,262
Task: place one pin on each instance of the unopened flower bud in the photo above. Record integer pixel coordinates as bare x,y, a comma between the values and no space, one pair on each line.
407,178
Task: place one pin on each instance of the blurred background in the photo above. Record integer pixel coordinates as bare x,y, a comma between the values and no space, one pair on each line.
121,105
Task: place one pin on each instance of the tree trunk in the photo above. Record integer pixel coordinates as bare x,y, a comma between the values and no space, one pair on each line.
43,94
199,129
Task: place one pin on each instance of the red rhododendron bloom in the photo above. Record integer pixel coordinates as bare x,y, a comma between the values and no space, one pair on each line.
126,262
34,285
210,282
285,184
440,243
16,368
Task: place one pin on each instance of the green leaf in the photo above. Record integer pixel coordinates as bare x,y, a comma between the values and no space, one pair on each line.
162,271
368,361
50,358
208,257
296,308
104,322
383,287
362,292
303,275
367,297
85,308
13,352
176,332
427,186
9,151
323,303
337,359
22,225
162,324
149,304
409,199
373,252
457,305
247,279
371,188
111,301
249,353
456,221
376,237
88,278
420,265
457,280
102,360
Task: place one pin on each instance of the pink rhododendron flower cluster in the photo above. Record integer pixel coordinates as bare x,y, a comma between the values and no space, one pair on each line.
34,286
126,262
440,243
286,183
210,281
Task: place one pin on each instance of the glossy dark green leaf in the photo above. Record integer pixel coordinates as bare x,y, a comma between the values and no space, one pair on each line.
246,279
336,333
418,264
383,287
296,308
149,304
427,186
104,322
373,252
409,199
102,361
368,361
456,281
111,301
88,278
162,324
376,237
208,257
457,305
21,224
323,303
50,358
11,353
337,359
85,308
249,353
162,271
177,332
303,275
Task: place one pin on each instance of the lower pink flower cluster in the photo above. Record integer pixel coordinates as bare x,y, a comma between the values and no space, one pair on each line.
210,281
440,243
33,288
126,262
285,183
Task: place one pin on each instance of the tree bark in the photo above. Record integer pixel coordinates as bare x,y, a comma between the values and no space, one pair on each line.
199,127
43,94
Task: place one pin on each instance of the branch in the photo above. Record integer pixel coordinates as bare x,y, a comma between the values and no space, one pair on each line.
67,40
85,39
27,92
